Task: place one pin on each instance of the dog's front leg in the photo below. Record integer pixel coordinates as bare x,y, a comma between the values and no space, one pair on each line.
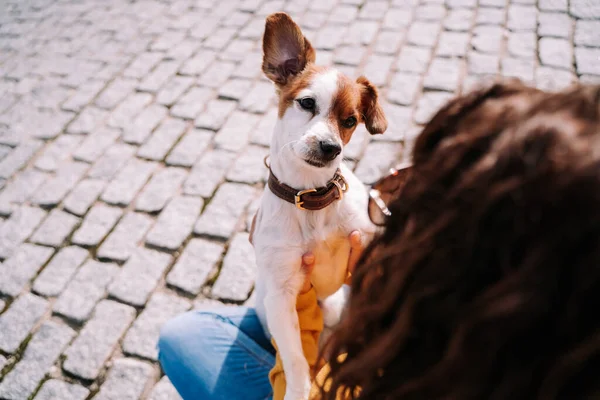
282,320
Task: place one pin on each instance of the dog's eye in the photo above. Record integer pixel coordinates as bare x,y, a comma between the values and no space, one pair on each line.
307,103
349,122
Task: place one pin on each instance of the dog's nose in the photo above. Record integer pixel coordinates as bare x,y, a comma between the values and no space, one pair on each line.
330,149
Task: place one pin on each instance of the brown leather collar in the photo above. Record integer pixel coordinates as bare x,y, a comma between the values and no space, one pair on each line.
310,199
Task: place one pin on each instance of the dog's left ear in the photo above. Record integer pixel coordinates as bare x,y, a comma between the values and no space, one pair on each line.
285,49
372,112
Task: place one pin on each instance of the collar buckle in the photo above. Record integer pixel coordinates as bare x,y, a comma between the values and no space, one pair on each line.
298,198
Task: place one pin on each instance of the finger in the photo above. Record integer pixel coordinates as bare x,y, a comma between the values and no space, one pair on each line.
308,259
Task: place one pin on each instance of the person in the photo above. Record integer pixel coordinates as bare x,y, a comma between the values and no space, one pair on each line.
484,283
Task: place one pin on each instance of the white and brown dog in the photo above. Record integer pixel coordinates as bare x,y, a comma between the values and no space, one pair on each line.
313,201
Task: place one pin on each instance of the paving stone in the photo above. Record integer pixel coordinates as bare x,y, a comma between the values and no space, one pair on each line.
548,78
59,271
18,158
125,237
553,5
43,124
234,89
397,18
216,74
263,132
143,64
189,149
160,189
481,64
18,321
126,380
115,92
215,114
192,103
584,9
24,185
430,12
235,132
453,44
57,152
413,59
352,151
443,74
177,86
522,18
97,340
490,16
518,68
140,128
18,227
167,40
220,217
196,265
122,190
249,68
128,109
522,44
164,390
349,55
84,95
159,76
378,68
488,38
96,225
378,158
399,119
55,189
237,50
459,19
197,64
83,196
429,104
142,338
423,33
587,60
556,53
259,98
175,223
96,144
249,166
343,14
55,229
556,25
587,33
203,30
238,271
219,39
113,160
590,79
41,353
139,276
54,389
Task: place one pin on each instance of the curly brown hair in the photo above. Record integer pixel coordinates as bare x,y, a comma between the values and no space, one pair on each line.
485,283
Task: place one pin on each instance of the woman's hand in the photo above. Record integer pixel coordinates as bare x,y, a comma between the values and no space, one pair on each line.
308,261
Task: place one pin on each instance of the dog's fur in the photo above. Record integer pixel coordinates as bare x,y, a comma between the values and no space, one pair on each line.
282,233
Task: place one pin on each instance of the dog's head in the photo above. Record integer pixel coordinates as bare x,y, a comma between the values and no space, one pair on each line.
319,108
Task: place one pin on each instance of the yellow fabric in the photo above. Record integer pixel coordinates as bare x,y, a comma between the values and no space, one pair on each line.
311,325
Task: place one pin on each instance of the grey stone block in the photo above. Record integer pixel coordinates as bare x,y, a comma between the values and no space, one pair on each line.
87,287
587,60
125,237
215,114
235,89
360,33
192,103
96,225
429,104
18,158
112,161
142,338
96,144
522,44
195,265
83,196
57,152
54,190
413,59
235,133
403,88
97,340
547,78
55,229
378,158
22,266
55,389
115,92
556,53
378,68
177,86
482,64
443,74
18,227
143,64
126,380
556,25
200,62
238,272
522,18
222,214
128,182
217,74
189,149
553,5
423,33
17,322
584,9
88,120
41,353
518,68
249,166
163,139
459,19
453,44
18,191
164,390
139,276
128,109
488,39
53,279
163,185
159,76
175,223
490,16
140,128
263,132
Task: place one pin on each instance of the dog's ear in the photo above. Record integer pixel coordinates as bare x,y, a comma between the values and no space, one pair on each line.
372,112
285,49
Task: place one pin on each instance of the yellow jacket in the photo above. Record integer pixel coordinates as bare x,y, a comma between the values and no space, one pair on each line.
311,325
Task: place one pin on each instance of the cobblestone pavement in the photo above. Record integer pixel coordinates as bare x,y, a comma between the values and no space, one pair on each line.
132,137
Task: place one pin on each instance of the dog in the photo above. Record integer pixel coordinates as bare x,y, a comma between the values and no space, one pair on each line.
312,200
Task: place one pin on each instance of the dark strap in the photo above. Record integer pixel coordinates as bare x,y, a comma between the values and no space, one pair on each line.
310,199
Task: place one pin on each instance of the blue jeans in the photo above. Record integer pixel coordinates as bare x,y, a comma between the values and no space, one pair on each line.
220,353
